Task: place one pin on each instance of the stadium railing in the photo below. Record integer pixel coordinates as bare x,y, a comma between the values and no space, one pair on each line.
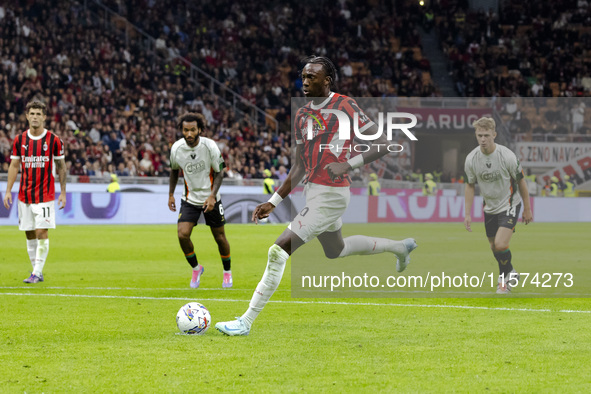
116,22
138,180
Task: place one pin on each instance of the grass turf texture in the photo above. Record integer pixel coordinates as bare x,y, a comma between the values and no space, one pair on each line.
103,321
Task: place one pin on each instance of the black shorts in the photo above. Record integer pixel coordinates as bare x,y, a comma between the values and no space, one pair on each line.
507,219
192,213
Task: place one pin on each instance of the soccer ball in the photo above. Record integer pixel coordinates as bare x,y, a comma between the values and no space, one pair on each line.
193,319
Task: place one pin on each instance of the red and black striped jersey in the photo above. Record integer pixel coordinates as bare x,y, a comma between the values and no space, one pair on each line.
319,135
36,155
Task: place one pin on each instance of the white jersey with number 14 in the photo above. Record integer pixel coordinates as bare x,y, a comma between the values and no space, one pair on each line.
497,175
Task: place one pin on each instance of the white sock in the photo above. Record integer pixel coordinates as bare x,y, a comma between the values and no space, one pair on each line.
41,256
268,284
32,250
360,244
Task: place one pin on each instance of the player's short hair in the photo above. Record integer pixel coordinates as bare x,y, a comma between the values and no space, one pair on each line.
36,105
327,65
485,123
192,117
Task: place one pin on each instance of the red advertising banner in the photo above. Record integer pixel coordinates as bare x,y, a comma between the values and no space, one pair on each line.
578,169
417,208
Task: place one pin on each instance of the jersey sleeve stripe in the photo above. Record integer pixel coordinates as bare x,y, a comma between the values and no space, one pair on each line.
367,126
60,147
25,174
349,109
33,182
48,174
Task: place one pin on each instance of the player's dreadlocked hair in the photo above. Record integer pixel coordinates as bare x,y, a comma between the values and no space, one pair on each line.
329,69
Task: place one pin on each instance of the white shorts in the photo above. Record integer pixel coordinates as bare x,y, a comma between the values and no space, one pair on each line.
324,207
34,216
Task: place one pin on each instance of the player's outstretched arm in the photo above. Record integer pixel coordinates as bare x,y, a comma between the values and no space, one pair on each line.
293,179
378,146
12,173
527,214
468,202
60,164
173,180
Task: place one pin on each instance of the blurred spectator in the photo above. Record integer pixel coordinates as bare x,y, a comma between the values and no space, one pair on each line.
121,170
282,173
269,183
373,187
356,175
578,117
146,166
114,185
569,190
77,168
429,187
554,188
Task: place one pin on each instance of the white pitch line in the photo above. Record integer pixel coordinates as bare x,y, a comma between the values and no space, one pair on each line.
125,288
449,294
308,302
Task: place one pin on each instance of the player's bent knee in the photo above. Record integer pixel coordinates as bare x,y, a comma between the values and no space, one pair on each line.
332,254
220,239
41,233
275,254
501,246
183,234
275,266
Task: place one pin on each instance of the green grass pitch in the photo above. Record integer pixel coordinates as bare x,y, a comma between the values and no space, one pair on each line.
104,320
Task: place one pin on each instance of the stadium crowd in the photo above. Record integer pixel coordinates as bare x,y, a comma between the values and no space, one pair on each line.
115,105
256,47
529,49
529,56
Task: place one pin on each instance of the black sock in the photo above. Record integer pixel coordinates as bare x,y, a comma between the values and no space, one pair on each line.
192,259
227,262
504,260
